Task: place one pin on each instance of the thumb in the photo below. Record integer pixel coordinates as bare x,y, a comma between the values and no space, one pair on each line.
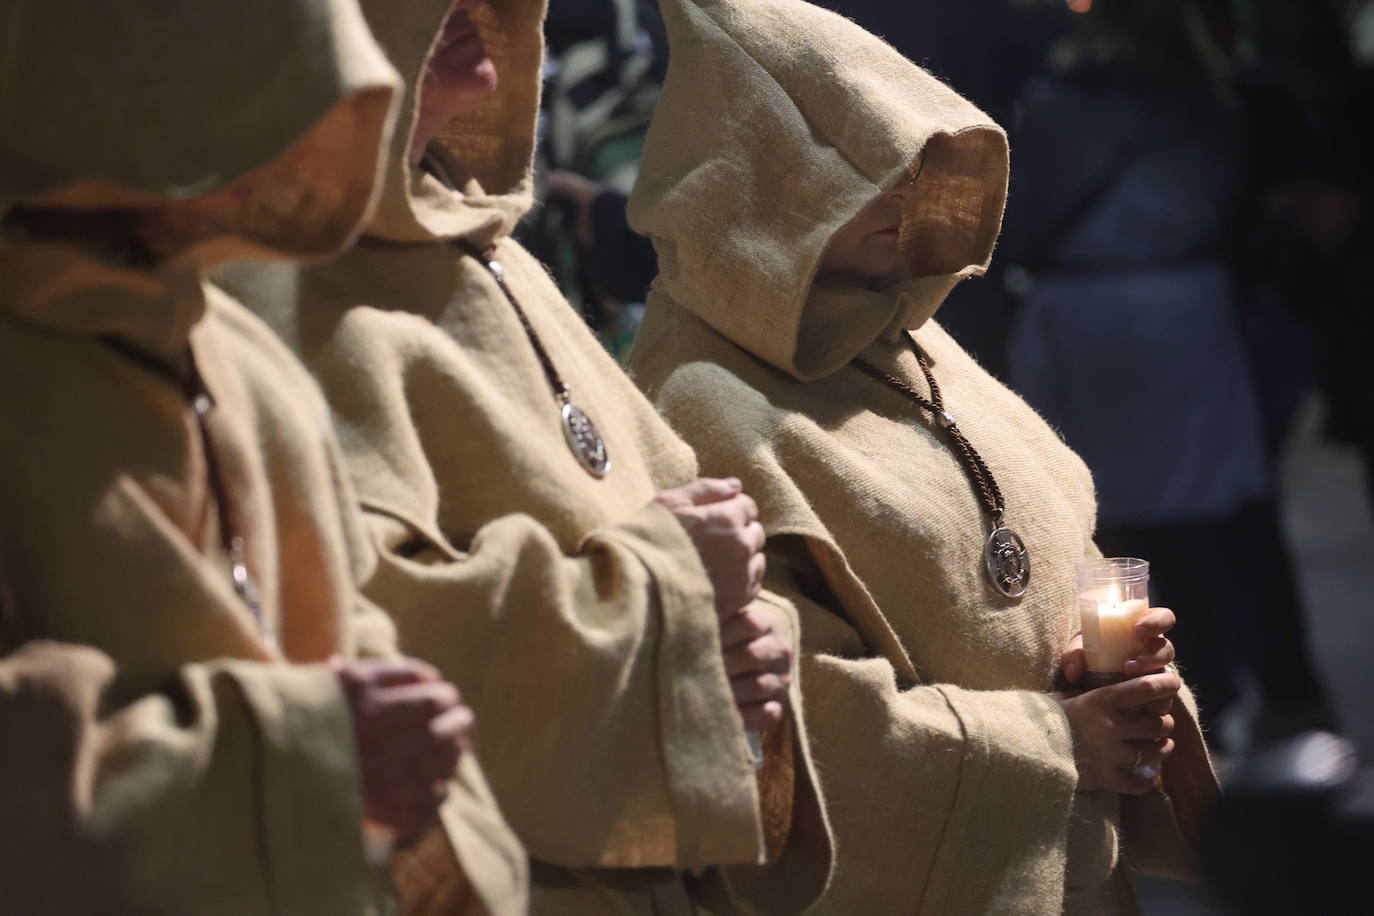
1072,662
705,490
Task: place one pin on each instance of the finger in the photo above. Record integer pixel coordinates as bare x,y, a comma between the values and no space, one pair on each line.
1072,661
751,508
1154,623
1146,728
755,536
387,672
705,490
765,655
745,627
759,688
732,515
760,717
1158,660
1158,707
1141,690
757,568
415,672
454,726
1149,763
1153,753
410,707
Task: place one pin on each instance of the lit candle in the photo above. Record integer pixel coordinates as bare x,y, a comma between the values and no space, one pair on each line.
1113,595
1108,633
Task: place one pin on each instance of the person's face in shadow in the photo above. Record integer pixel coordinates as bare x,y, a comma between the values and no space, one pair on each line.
868,248
458,75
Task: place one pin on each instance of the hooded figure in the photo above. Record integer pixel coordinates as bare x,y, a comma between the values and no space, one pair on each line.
948,767
572,609
180,554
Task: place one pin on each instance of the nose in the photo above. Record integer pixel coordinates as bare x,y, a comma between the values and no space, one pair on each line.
902,192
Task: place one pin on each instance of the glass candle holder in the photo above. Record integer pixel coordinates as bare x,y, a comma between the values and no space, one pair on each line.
1113,593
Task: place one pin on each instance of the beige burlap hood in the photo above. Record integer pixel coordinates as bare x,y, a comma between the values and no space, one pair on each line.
488,151
778,123
573,611
181,754
96,102
947,767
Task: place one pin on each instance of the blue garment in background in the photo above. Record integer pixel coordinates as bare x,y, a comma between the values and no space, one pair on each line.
1127,337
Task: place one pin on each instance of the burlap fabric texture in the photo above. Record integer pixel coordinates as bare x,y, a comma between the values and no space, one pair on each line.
161,755
947,766
573,612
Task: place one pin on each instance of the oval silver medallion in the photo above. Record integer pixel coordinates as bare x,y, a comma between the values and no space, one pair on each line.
1007,562
585,441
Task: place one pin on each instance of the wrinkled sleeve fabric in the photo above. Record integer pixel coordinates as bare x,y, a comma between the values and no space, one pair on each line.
470,863
599,660
800,850
932,780
1162,830
232,789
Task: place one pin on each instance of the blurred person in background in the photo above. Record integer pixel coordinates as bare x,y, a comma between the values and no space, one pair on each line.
198,708
1317,62
605,66
1131,178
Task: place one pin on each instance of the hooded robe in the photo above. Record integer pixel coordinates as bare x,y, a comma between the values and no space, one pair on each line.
166,750
573,611
947,766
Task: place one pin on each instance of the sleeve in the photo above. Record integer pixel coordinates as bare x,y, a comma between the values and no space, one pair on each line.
493,879
605,719
1162,830
232,789
930,781
471,863
800,848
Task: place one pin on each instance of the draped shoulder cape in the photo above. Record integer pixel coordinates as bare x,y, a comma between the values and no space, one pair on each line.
572,611
947,766
165,750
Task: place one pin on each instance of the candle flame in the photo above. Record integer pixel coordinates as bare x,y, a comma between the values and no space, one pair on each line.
1080,6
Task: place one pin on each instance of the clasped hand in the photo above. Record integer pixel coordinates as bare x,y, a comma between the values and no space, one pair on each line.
723,523
410,727
1121,732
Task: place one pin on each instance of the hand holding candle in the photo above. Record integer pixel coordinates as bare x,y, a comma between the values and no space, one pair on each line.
1153,651
1119,660
1122,636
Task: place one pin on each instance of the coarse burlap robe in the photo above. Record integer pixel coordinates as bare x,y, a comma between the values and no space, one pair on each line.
160,755
947,766
573,612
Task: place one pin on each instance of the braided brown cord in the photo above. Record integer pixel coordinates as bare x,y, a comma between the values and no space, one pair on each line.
198,397
988,492
488,260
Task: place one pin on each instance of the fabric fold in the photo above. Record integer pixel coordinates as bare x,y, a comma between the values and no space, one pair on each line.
244,765
571,661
